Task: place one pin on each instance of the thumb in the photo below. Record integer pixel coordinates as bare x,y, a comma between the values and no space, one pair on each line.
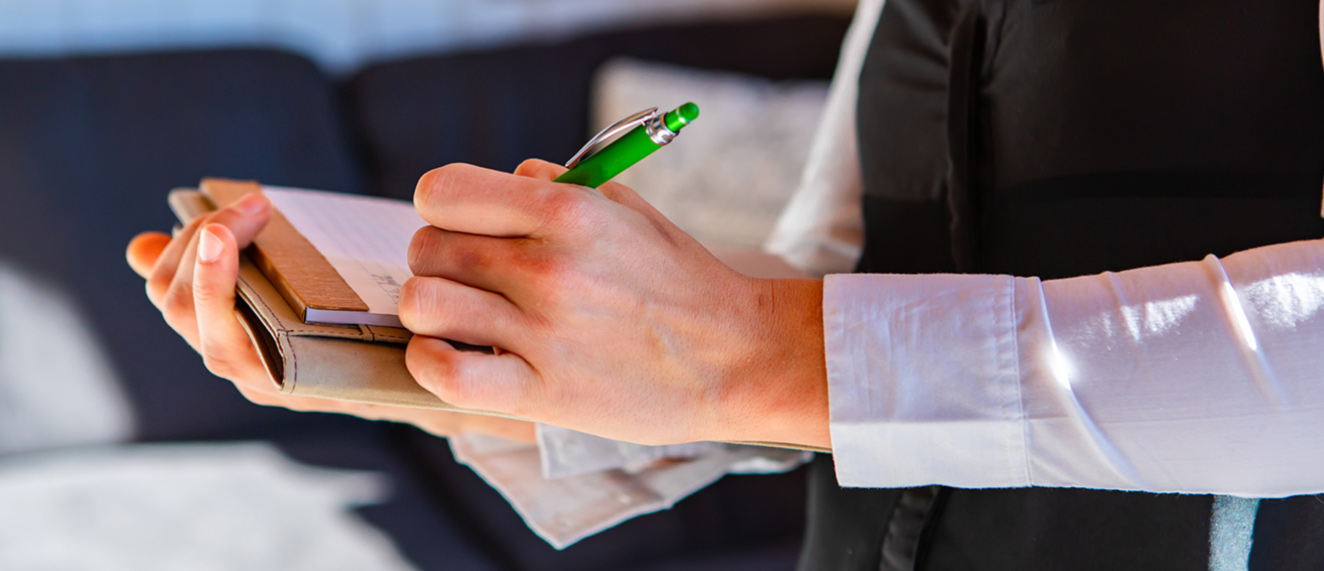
224,343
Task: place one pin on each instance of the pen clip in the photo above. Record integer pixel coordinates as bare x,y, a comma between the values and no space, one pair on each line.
616,128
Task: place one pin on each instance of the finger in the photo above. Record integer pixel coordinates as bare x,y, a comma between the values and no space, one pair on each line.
163,273
493,264
268,397
466,198
498,383
177,303
539,169
244,220
144,250
225,346
437,422
438,307
299,403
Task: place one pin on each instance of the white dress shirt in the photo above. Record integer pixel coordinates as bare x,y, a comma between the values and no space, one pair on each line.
1202,377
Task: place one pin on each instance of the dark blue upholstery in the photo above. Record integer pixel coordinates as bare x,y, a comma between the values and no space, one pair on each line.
498,107
88,148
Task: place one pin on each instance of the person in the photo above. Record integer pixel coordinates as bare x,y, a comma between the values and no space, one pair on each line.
988,421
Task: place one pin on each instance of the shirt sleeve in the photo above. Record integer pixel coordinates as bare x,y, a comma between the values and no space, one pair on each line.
821,229
1197,377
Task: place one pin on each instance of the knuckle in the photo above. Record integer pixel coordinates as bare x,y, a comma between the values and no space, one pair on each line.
440,373
448,383
553,276
549,269
570,207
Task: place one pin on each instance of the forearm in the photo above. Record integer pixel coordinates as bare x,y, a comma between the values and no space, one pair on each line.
1170,378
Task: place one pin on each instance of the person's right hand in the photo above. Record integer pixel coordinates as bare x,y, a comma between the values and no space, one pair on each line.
191,280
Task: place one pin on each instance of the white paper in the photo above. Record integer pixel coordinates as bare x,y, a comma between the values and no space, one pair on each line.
365,238
565,510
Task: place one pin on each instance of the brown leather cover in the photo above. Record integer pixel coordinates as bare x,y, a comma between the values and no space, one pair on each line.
362,363
295,267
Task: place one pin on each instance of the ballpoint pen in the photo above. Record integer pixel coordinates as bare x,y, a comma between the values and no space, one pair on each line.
648,132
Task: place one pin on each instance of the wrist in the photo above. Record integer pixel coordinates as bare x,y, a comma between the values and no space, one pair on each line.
782,396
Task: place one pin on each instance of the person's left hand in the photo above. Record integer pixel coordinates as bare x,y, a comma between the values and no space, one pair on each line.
608,318
191,279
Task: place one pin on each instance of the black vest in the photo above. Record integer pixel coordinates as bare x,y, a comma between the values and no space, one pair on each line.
1057,138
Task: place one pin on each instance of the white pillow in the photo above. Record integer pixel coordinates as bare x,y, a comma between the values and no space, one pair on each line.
58,387
727,177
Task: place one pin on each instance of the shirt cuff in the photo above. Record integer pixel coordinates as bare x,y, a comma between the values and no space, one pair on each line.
923,380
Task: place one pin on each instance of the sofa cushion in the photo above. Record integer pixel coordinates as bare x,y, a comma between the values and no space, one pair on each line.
496,108
88,149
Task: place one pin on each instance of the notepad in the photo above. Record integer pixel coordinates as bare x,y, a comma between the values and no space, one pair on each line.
366,239
336,258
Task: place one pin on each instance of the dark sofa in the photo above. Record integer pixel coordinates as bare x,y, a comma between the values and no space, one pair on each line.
90,145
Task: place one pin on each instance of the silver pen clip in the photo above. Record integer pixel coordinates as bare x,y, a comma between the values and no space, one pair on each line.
615,129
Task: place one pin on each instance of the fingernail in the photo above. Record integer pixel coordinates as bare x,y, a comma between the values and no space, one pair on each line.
252,204
209,246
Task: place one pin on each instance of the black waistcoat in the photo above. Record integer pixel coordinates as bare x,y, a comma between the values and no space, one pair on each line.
1057,138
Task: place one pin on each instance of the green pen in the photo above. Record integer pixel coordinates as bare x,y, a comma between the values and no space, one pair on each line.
648,132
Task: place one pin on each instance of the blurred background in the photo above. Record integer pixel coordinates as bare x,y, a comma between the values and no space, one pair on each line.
119,451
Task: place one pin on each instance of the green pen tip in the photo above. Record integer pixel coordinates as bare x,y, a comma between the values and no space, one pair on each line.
681,117
688,112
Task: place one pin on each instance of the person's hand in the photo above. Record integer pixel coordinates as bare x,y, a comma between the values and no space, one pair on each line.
608,318
191,279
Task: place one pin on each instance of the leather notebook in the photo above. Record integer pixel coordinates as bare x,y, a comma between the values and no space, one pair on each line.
354,362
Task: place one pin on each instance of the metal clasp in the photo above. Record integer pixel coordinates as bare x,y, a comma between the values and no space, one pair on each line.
616,128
